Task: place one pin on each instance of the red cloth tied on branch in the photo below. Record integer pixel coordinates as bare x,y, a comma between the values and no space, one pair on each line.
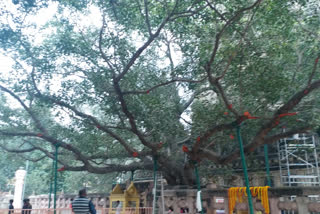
61,169
39,135
185,148
135,154
277,121
287,114
248,115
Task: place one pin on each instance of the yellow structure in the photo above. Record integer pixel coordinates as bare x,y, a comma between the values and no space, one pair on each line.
238,194
129,198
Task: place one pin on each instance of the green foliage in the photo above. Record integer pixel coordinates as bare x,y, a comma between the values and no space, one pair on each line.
9,165
104,93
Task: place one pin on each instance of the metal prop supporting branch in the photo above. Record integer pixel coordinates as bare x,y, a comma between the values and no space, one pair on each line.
51,179
55,177
198,184
266,158
155,169
245,171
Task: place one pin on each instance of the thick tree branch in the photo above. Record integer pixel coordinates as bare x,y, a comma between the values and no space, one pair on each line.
260,137
17,150
255,144
295,100
130,116
118,156
78,154
89,117
30,112
34,159
215,81
111,168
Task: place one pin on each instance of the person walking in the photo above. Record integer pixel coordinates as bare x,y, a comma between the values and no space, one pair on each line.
82,205
11,208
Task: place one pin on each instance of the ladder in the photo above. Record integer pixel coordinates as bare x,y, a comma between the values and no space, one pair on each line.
158,194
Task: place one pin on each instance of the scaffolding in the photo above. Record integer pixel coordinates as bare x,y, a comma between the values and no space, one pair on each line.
298,161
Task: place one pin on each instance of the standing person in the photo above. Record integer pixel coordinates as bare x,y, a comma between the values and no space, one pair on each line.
26,209
29,206
119,207
71,200
11,208
82,205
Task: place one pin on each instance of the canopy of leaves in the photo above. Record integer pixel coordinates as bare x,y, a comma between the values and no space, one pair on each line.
117,83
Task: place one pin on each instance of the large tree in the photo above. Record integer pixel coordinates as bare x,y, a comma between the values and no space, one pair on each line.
116,83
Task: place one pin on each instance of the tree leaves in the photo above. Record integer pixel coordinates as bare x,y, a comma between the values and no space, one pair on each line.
157,71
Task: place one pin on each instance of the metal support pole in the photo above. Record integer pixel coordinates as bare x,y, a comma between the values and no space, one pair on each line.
245,171
266,158
198,184
55,177
25,180
51,180
155,169
132,174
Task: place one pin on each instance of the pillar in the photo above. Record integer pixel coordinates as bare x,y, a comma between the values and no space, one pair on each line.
18,187
273,204
302,203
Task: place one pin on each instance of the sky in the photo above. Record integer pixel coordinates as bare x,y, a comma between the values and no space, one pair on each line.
5,64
